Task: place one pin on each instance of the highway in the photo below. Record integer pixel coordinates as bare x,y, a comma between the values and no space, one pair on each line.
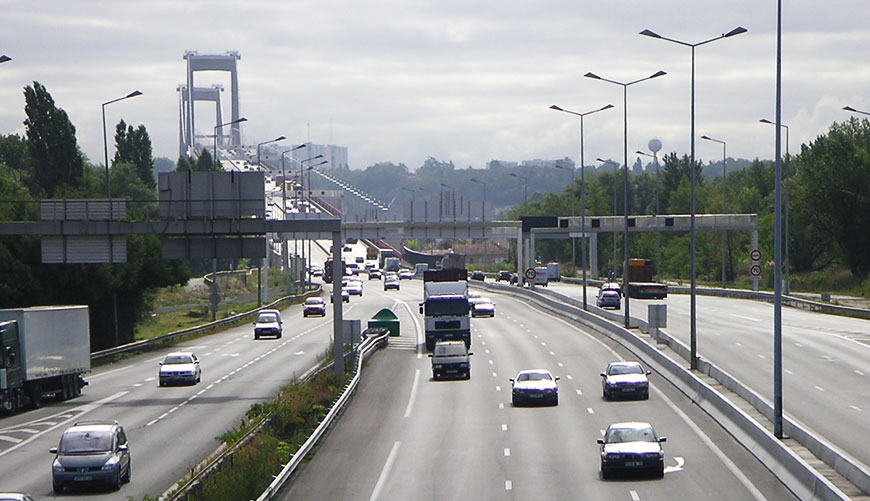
408,437
170,429
826,358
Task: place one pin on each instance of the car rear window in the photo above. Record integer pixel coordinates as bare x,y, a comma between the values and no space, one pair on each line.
177,359
626,369
267,317
533,376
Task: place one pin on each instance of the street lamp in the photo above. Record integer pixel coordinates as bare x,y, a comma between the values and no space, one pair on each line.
483,218
525,189
452,199
853,110
582,196
736,31
308,209
625,177
280,138
786,284
724,202
105,140
655,145
616,172
218,126
260,267
4,58
284,250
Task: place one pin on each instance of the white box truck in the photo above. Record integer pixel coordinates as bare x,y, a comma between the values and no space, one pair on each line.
445,307
44,350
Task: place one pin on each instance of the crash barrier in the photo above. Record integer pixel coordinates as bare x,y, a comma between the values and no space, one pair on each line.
794,302
794,472
138,345
377,340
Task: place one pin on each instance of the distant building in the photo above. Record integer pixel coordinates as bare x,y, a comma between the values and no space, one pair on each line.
335,155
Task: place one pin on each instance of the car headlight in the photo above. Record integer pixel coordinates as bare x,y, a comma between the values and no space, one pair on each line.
439,366
111,464
56,466
611,456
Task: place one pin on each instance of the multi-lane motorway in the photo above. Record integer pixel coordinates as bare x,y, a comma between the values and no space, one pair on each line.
408,437
826,358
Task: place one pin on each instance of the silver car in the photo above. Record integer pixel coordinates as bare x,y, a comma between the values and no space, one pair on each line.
91,452
180,367
534,386
630,447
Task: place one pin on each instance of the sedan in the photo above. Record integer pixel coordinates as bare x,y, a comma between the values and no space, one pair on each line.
314,306
391,282
354,288
609,299
631,447
478,275
625,379
179,367
375,275
344,296
483,307
534,385
503,275
406,274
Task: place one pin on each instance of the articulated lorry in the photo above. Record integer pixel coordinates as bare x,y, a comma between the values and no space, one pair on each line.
44,350
445,307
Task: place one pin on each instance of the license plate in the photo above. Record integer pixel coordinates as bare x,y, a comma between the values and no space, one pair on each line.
536,395
633,463
82,478
628,389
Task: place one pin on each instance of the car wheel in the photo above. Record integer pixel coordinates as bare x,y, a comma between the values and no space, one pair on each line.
605,394
57,488
161,384
515,402
128,474
646,396
304,314
660,473
116,482
605,474
468,374
256,336
556,400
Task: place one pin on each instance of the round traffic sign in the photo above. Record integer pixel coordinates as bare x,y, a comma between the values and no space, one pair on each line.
755,255
530,273
755,270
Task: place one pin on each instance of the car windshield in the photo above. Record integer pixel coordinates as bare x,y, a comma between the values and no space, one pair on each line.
177,359
617,435
81,442
534,376
313,300
449,350
482,302
625,369
267,318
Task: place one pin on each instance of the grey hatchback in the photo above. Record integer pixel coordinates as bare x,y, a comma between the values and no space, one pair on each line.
91,452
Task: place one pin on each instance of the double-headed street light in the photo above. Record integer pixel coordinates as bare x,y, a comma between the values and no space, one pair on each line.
615,178
279,138
483,218
582,196
259,272
284,248
655,145
786,284
625,86
724,202
218,126
693,362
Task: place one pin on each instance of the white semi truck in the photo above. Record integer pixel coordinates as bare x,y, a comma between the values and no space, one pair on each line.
445,306
44,350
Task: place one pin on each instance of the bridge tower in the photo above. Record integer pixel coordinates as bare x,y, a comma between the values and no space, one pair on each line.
213,94
197,62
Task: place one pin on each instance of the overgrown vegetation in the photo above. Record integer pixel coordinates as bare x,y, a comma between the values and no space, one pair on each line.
292,416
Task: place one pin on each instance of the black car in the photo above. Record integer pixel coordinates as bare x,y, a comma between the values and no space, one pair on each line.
625,379
478,275
450,359
503,275
91,453
631,447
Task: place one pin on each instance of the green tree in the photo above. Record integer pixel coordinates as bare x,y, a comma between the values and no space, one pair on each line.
134,146
51,142
830,197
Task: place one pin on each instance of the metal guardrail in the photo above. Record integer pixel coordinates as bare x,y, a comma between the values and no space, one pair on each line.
364,350
137,345
794,472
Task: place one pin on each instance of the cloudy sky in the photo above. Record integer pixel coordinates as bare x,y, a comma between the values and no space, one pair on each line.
461,80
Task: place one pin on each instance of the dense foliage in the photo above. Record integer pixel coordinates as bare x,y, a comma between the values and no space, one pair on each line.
47,163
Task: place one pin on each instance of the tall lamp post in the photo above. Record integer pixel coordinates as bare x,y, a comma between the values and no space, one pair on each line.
625,86
655,145
299,202
724,203
260,267
218,126
308,209
736,31
786,283
4,58
853,110
452,199
285,262
135,93
582,195
483,218
525,189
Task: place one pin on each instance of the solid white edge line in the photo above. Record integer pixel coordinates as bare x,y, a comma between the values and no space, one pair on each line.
634,496
385,471
417,329
704,438
413,395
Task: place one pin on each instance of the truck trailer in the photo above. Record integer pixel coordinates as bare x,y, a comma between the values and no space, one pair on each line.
44,350
640,282
445,307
